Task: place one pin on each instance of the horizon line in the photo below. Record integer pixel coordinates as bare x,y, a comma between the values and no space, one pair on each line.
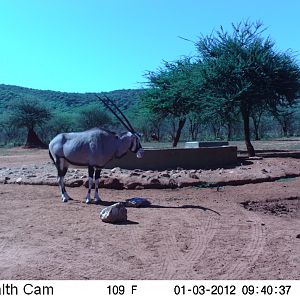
68,92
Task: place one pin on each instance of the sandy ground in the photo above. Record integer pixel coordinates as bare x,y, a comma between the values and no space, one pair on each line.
250,231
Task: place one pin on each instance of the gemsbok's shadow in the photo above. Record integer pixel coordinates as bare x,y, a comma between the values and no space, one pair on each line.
127,222
186,206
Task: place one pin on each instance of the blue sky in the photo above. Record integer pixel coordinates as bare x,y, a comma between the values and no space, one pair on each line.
97,45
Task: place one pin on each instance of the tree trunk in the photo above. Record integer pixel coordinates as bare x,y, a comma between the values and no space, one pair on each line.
285,128
257,138
256,123
33,141
229,131
178,132
192,131
193,128
246,120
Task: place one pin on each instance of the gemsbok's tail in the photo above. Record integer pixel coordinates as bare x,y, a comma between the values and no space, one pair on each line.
51,157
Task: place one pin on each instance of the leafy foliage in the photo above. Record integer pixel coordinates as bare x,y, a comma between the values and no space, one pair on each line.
242,72
173,93
92,115
28,113
69,111
64,101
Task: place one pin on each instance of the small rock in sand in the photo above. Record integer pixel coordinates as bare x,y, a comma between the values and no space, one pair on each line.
114,213
19,180
137,202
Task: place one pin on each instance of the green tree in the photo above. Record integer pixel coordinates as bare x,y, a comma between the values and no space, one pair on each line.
29,113
146,122
91,116
172,92
285,117
195,122
241,70
60,122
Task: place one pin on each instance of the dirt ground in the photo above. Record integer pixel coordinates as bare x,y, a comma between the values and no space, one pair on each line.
249,231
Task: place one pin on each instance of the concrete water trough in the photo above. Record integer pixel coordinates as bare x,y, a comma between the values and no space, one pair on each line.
197,144
186,158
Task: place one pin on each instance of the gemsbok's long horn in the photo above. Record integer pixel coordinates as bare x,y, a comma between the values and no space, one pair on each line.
118,109
129,128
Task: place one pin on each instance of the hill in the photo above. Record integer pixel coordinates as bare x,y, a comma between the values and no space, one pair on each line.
125,97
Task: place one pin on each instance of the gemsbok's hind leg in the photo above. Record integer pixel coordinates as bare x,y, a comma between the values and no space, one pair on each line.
97,176
91,175
62,169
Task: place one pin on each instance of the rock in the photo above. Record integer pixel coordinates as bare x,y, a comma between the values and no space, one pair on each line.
137,202
166,175
193,175
116,169
174,176
134,174
149,172
75,183
298,236
19,180
153,183
132,185
50,176
173,183
113,183
114,213
139,187
154,180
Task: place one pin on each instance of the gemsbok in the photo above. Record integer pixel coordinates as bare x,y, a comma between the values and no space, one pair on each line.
93,149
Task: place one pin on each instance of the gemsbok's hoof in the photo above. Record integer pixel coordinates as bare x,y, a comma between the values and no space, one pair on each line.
97,199
65,197
88,201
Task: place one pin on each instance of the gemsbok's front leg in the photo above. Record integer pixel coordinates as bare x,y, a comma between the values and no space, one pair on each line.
97,176
91,175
